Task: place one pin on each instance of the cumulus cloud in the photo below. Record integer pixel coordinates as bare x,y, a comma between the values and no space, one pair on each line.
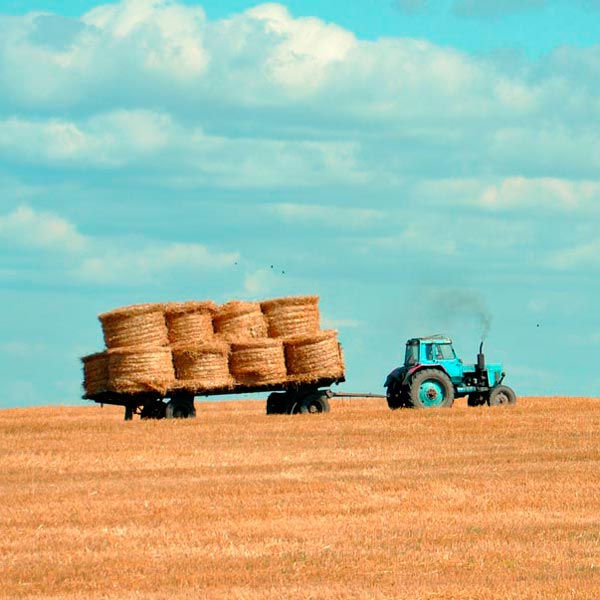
25,227
96,260
583,255
543,194
149,263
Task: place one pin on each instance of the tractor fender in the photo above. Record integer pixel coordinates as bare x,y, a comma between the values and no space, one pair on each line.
414,370
396,376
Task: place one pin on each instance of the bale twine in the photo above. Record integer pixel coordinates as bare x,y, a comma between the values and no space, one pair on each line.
140,369
309,358
239,320
202,367
95,373
255,362
292,316
136,325
189,323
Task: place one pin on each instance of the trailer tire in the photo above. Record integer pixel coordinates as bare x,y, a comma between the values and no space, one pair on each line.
502,395
317,402
276,403
180,408
154,410
431,388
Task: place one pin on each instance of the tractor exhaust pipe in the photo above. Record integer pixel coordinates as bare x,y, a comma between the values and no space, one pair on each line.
481,359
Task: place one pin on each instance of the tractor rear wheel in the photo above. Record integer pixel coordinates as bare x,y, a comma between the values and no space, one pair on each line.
395,396
431,388
502,395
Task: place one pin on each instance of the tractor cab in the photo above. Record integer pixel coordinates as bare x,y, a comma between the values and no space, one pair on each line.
435,351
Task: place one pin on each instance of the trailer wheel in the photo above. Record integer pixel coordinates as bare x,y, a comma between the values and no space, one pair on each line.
154,410
313,403
431,388
181,407
276,403
502,395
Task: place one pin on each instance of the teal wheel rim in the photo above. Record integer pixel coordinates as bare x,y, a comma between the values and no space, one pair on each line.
431,393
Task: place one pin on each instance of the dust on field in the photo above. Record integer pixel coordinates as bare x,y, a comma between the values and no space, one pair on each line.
359,503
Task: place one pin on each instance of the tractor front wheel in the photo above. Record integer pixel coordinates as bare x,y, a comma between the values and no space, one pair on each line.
502,395
431,388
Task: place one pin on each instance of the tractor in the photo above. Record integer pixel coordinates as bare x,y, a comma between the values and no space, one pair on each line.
432,376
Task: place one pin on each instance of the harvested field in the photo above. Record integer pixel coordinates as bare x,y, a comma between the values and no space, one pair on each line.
361,503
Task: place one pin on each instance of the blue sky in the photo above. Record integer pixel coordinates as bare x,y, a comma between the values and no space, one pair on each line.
424,167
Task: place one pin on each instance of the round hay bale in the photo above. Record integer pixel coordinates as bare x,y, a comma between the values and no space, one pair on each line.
202,367
255,362
136,325
140,369
95,373
312,357
239,320
292,316
189,323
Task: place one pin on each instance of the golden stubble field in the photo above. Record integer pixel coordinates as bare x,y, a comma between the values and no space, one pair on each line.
360,503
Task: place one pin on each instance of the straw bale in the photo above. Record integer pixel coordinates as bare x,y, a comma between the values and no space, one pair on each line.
203,366
140,369
95,373
254,362
315,356
189,323
135,325
237,320
292,316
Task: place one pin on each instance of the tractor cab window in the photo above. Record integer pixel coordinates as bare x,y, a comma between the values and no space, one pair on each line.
412,354
429,351
444,352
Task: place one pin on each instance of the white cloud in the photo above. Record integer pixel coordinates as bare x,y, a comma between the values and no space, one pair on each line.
27,228
542,193
583,255
304,49
151,262
100,260
170,34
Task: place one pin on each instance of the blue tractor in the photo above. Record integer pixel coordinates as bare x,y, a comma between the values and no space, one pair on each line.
432,376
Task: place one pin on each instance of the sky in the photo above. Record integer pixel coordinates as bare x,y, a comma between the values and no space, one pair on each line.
423,166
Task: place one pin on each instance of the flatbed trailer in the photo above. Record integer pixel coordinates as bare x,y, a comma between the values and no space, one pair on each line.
287,397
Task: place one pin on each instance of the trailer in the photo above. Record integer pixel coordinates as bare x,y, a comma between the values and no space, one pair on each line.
285,397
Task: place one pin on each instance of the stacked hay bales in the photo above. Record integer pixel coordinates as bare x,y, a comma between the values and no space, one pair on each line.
202,367
200,347
95,373
136,325
237,320
258,361
138,369
189,323
311,357
292,316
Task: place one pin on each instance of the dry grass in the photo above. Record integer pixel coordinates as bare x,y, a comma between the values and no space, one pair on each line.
360,503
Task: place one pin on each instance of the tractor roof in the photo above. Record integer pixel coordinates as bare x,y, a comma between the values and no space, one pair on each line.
439,339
